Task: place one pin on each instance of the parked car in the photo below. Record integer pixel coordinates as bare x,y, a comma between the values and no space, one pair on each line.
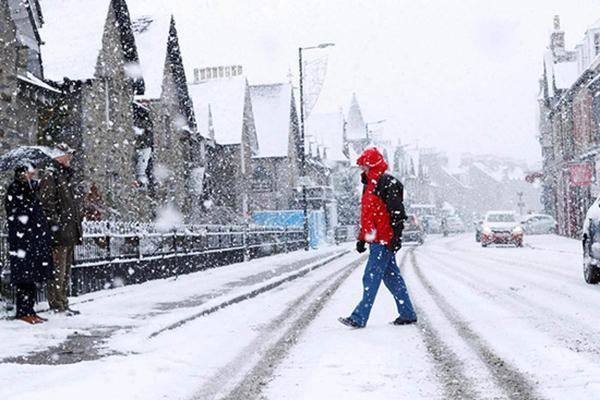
413,230
539,224
501,227
478,229
591,244
455,224
427,214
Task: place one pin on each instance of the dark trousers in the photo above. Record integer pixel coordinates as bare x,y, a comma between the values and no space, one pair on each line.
25,299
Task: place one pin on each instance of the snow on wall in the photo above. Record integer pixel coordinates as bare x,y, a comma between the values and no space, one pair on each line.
72,33
271,105
226,98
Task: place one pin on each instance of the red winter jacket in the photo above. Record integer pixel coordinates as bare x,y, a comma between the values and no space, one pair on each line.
375,225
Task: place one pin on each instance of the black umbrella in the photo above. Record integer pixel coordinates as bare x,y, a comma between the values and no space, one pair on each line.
28,155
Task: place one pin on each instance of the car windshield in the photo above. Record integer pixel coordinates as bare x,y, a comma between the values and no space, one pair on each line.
501,218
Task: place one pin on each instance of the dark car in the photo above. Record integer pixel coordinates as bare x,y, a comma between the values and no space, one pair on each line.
413,230
591,244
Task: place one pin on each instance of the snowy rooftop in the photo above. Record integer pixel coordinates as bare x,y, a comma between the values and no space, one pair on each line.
151,36
225,97
328,131
72,33
501,174
563,74
356,128
271,105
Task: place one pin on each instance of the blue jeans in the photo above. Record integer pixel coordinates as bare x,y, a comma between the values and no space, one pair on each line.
382,265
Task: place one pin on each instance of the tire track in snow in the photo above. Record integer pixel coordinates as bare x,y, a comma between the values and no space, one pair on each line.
514,384
273,344
448,366
566,329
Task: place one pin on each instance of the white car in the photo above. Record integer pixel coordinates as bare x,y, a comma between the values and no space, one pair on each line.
539,224
501,227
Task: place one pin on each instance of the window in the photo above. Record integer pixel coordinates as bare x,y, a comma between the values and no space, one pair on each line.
596,43
262,181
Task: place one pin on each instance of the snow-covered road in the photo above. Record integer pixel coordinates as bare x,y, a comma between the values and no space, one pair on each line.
494,323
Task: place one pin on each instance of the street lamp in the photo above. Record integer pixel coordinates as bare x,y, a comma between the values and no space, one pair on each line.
372,123
302,137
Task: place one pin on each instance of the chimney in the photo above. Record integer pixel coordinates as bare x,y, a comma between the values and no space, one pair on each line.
221,71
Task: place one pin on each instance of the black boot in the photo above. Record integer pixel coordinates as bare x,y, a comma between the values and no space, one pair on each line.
400,321
349,322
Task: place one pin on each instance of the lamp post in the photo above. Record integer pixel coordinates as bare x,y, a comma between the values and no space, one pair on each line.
302,138
372,123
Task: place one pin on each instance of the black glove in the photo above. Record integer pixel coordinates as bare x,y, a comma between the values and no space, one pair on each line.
361,246
395,244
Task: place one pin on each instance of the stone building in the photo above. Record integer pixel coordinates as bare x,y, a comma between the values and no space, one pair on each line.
25,97
170,149
569,127
223,109
92,55
276,166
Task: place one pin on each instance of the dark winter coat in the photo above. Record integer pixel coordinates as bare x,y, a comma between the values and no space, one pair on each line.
382,208
58,199
29,243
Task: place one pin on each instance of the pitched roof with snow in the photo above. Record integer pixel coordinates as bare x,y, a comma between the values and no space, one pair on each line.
271,105
560,74
73,32
328,131
224,99
356,128
151,36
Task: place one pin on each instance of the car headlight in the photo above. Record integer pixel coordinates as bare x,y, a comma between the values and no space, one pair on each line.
487,230
518,230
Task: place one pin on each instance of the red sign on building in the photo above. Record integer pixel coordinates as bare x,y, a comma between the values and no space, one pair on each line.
581,174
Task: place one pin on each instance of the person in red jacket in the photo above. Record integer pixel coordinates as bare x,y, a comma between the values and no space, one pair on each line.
381,223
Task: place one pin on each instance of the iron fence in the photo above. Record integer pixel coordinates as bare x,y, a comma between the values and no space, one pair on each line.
115,254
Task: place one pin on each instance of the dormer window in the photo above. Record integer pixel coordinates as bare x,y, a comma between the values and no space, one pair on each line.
596,44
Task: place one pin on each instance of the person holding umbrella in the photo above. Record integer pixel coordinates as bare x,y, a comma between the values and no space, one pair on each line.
30,248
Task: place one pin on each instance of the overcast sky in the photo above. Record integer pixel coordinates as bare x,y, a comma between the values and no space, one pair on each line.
457,74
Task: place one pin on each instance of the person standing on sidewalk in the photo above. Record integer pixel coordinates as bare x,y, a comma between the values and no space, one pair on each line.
381,225
29,243
64,216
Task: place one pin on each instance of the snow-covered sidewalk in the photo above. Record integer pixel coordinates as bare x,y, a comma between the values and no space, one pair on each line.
203,358
139,310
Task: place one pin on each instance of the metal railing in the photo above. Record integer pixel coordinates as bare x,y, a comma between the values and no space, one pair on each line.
115,254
